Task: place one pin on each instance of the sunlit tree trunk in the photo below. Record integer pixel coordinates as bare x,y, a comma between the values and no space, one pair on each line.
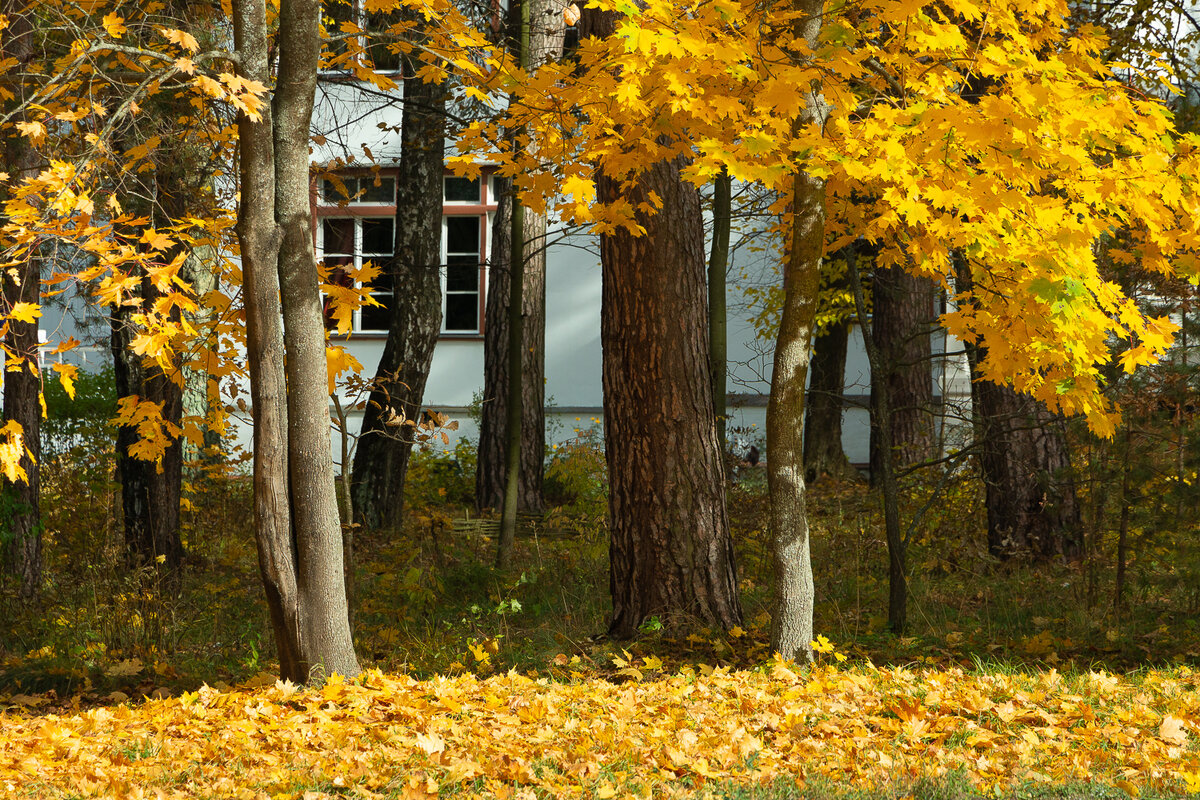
671,555
381,460
296,520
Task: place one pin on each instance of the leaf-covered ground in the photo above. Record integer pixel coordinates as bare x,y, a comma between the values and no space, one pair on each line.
664,735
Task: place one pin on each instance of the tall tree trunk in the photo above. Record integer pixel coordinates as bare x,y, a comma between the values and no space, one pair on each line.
381,460
1025,465
671,555
882,419
902,323
823,453
21,284
546,32
718,263
325,639
490,470
296,520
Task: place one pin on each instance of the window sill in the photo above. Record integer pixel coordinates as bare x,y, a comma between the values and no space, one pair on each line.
380,336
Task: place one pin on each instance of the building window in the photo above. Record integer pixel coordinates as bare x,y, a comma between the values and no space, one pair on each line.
336,12
356,224
346,243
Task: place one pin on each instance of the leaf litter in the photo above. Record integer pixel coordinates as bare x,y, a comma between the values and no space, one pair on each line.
382,735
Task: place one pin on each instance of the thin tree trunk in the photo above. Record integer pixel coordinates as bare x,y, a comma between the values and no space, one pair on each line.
325,639
383,452
718,263
823,453
882,417
259,237
490,469
22,385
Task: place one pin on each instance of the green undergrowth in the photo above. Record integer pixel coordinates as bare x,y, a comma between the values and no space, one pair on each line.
427,599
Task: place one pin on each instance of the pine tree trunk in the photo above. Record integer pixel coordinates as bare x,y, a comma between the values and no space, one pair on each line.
902,322
671,555
381,460
23,527
490,469
1025,466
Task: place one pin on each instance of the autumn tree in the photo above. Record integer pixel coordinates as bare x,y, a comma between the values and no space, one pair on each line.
295,511
415,320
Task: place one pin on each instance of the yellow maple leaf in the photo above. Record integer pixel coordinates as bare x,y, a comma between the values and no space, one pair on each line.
181,38
114,25
25,312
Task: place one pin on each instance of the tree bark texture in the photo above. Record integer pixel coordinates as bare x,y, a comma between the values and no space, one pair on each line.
792,625
718,263
823,453
671,555
381,460
259,237
1025,465
325,640
491,473
22,526
901,324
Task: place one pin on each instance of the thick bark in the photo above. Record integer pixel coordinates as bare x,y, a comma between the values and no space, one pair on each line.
902,323
381,460
150,491
671,554
325,640
23,525
1025,465
491,473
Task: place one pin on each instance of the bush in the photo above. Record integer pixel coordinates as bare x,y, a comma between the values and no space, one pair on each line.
440,478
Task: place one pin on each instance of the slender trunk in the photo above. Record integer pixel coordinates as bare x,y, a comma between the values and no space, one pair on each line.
22,385
718,263
823,453
1123,528
516,333
490,468
881,426
259,237
383,452
325,639
792,622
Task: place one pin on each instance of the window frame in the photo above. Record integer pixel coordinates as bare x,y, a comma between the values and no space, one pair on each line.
484,209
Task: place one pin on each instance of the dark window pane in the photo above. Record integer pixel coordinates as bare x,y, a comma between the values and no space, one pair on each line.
339,235
377,236
338,190
462,277
462,190
462,312
462,234
383,281
385,59
377,318
385,192
337,275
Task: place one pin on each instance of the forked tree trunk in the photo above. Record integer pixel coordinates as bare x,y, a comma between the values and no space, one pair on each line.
381,460
23,385
296,520
902,323
671,555
491,473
